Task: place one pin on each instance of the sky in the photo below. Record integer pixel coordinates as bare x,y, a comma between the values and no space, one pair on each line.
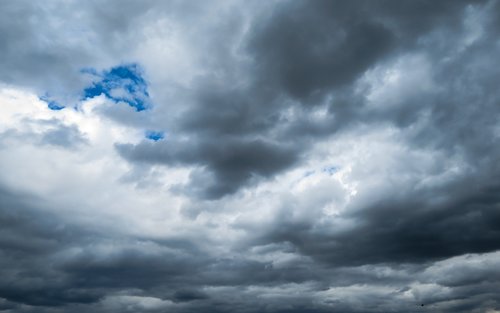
249,156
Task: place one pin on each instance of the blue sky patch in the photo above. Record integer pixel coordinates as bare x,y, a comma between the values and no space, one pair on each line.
51,104
155,135
123,83
331,169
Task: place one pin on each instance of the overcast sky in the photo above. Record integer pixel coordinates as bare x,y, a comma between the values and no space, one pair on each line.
249,156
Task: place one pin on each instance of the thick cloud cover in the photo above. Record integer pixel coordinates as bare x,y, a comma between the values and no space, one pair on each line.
227,156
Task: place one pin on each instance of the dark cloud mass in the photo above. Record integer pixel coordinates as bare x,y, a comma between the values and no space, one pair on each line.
272,156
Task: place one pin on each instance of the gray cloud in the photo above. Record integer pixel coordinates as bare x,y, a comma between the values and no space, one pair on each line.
230,164
403,95
51,132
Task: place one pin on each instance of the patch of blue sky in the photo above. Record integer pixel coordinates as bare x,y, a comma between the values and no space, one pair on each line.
155,135
51,104
123,83
330,169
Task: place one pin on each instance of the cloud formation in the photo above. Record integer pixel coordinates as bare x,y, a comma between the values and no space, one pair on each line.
273,156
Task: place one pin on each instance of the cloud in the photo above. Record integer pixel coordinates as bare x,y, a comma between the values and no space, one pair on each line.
230,165
273,156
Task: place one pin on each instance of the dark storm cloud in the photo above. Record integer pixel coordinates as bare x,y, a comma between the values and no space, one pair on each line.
234,127
28,239
305,49
299,54
408,227
50,266
231,163
404,228
49,263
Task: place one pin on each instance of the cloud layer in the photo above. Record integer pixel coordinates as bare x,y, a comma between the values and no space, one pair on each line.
272,156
